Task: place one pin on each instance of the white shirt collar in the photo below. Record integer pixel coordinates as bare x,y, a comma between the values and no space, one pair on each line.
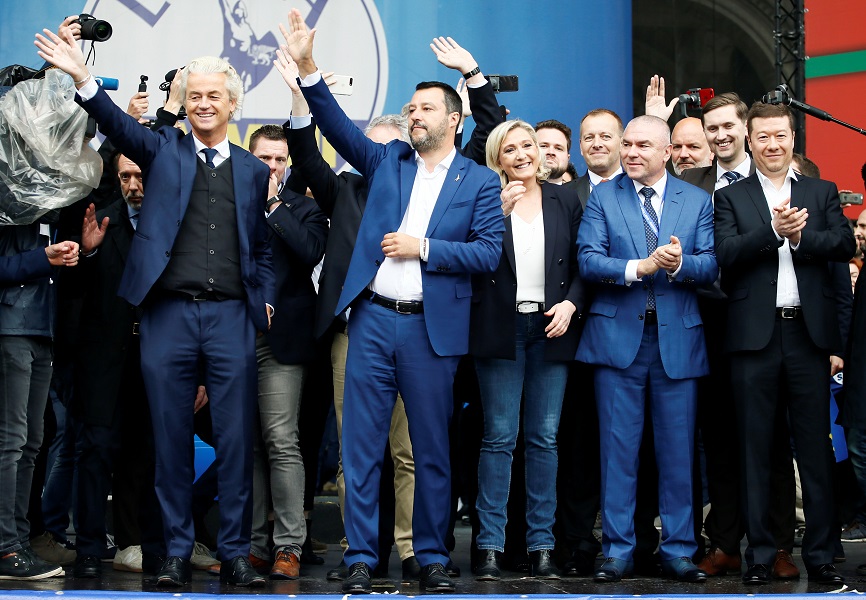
742,168
595,178
658,187
444,164
222,148
789,177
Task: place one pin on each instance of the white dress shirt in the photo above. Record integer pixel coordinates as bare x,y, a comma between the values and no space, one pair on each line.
400,278
742,169
787,292
658,202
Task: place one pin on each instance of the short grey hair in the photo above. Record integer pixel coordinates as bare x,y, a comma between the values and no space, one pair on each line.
212,64
399,122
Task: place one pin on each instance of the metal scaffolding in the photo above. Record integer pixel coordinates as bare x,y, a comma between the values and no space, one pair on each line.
790,38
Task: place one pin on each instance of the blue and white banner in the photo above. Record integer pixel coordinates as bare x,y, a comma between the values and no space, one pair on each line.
571,55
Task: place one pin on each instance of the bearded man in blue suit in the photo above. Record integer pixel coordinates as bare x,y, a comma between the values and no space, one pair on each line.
200,265
644,334
432,219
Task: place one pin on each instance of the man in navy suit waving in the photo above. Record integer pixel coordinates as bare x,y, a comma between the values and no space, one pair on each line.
432,219
200,265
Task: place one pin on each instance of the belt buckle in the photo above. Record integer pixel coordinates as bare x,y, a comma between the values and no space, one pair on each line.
526,307
789,312
199,297
397,308
135,327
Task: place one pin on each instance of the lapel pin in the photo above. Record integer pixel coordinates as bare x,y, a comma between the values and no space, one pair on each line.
457,178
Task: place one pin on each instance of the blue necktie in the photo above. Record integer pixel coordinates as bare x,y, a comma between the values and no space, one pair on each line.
133,219
732,177
651,228
209,153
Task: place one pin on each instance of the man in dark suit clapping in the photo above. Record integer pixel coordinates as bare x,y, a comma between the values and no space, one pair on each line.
775,233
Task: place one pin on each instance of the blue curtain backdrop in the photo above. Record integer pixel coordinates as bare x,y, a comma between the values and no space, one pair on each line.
571,55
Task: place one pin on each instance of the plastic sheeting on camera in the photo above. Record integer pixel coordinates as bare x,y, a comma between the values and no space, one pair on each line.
44,162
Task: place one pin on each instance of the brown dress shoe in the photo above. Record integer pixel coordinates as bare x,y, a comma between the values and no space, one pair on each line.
286,566
784,567
716,562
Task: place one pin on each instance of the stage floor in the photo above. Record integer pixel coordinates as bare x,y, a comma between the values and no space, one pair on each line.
116,584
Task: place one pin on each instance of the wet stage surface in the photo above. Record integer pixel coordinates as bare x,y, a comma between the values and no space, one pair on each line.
116,584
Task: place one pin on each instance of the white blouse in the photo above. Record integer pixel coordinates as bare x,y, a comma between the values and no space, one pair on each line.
529,257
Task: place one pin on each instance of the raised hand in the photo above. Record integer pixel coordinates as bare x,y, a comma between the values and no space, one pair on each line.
288,68
63,53
655,99
299,42
92,232
175,101
449,53
138,105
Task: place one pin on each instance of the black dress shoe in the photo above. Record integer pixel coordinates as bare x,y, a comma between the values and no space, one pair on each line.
452,569
820,574
487,565
434,578
358,579
174,572
339,573
580,564
757,575
541,566
87,566
411,569
151,564
238,571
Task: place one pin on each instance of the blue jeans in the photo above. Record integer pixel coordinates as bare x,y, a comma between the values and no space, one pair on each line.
277,464
25,375
502,383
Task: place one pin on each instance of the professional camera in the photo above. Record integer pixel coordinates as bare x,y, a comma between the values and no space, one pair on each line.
165,86
93,28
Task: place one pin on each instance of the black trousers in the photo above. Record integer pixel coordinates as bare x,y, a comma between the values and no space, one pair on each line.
792,373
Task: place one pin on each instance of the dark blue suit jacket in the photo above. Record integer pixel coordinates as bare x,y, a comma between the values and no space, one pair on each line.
32,264
465,229
612,233
167,160
300,230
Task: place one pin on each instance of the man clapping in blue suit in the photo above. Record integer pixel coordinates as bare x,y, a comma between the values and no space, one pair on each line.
644,334
432,219
200,265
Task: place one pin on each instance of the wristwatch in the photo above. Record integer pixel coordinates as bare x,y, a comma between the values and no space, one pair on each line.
271,201
474,71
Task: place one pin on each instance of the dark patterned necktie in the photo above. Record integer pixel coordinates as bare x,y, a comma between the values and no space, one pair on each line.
732,177
209,154
651,228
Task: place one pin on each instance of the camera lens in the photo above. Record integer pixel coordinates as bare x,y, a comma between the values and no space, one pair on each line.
101,31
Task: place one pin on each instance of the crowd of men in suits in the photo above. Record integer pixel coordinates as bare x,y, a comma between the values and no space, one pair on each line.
717,312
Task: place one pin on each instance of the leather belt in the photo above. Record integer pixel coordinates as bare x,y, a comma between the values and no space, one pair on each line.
200,297
403,307
789,312
651,317
526,307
